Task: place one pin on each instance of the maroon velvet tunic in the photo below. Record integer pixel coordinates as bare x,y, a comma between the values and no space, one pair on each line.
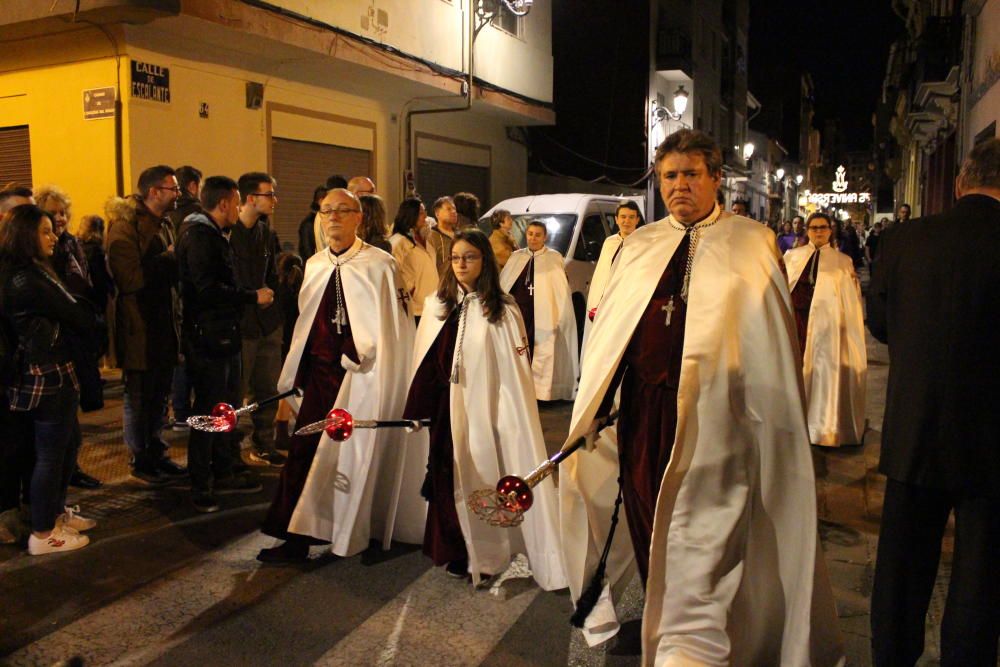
526,302
802,297
319,375
430,397
649,374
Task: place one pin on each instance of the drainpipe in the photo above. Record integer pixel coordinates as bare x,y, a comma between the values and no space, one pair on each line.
407,162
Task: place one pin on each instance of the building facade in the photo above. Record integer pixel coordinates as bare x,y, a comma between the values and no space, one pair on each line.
303,90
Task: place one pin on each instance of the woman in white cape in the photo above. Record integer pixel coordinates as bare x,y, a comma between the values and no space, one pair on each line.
472,378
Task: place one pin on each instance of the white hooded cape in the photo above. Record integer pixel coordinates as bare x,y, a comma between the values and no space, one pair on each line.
835,363
368,486
736,573
555,364
496,431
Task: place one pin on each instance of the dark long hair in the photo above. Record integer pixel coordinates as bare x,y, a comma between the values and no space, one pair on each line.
488,285
19,245
406,217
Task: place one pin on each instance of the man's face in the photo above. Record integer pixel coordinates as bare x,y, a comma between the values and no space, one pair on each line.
341,215
446,214
535,235
627,220
164,194
903,213
233,208
687,188
819,232
264,199
739,208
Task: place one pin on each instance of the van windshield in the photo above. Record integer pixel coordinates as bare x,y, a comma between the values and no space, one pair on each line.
559,226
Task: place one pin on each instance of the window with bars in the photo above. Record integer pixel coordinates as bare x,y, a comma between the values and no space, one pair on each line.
505,20
15,157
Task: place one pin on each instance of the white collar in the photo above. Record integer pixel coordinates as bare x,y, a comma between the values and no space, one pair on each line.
704,222
347,256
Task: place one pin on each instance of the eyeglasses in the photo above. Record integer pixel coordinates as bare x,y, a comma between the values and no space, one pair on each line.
338,212
265,194
468,259
175,188
817,228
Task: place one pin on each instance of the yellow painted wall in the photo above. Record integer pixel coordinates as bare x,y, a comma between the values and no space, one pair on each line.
76,154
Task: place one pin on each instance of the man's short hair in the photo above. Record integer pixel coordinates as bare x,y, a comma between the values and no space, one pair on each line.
692,141
215,189
981,169
10,193
187,175
441,201
630,205
536,223
250,182
467,205
336,181
152,177
741,202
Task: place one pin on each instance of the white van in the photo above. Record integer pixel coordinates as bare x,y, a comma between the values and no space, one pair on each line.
577,225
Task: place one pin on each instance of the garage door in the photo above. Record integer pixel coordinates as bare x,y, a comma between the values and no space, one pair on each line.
435,179
15,157
300,167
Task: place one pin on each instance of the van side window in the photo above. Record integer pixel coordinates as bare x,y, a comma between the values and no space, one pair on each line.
592,235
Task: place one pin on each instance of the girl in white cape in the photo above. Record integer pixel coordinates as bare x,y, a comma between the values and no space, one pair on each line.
472,378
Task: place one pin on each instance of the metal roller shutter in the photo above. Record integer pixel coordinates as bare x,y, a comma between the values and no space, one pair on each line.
300,167
435,179
15,156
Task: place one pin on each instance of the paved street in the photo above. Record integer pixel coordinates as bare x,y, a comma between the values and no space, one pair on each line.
163,585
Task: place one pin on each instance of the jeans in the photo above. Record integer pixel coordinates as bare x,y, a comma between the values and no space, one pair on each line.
180,394
212,455
259,380
55,455
145,403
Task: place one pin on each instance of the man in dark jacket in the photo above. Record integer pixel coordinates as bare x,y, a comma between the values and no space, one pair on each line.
141,257
213,306
189,180
256,249
934,298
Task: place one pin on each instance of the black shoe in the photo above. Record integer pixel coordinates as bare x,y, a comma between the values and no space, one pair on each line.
168,468
268,458
292,551
457,568
150,475
237,484
82,480
205,502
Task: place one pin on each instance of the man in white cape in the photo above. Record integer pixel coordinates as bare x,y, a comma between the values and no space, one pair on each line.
495,431
735,569
346,493
536,278
826,297
628,217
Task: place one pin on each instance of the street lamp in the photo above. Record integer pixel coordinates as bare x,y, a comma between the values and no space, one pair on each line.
680,101
660,113
780,174
798,179
747,151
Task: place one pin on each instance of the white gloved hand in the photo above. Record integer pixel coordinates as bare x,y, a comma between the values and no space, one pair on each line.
365,365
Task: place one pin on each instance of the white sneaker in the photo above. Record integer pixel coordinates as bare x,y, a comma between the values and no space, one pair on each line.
71,518
60,540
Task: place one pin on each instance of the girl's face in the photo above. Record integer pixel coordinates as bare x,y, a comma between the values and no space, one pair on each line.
46,238
467,263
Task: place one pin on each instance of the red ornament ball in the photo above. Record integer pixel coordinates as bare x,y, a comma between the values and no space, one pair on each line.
522,497
342,425
224,416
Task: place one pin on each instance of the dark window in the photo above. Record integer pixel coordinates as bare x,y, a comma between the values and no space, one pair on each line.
15,157
592,235
436,178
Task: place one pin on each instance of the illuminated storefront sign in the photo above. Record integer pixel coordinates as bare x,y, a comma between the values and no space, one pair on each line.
839,194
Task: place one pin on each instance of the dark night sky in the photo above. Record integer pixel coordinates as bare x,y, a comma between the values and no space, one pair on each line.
844,44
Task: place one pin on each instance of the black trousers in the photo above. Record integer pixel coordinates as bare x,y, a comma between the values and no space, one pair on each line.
212,455
909,548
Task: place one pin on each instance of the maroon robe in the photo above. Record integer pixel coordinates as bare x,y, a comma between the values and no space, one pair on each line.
430,397
319,375
649,374
524,297
802,297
